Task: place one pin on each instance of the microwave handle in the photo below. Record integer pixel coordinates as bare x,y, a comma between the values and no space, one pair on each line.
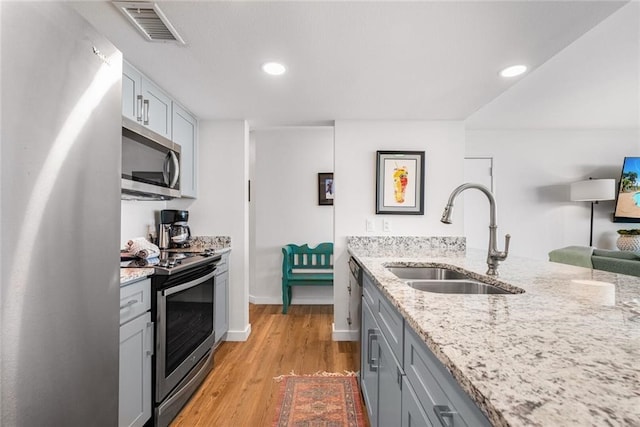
170,179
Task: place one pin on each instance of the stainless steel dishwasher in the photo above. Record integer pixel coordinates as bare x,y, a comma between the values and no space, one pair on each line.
355,298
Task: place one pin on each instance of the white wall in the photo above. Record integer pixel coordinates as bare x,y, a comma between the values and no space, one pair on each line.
137,216
532,173
222,207
285,191
576,116
356,143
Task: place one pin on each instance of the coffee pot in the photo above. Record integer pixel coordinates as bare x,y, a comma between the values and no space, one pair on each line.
173,230
180,235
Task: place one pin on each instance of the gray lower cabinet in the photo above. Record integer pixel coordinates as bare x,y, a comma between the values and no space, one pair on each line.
413,414
221,299
390,377
402,381
443,400
381,372
136,350
369,363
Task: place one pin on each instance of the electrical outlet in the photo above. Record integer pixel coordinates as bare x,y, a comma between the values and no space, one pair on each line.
386,225
371,225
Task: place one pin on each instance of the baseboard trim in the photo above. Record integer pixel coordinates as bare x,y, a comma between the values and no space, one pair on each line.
295,301
344,334
239,335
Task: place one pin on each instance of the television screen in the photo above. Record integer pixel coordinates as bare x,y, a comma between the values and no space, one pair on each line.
628,198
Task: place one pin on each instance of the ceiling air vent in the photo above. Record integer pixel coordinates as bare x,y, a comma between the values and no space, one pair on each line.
150,21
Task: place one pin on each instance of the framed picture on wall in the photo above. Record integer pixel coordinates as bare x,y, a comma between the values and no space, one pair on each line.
400,182
325,188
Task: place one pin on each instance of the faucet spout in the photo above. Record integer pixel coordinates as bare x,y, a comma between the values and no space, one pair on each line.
494,256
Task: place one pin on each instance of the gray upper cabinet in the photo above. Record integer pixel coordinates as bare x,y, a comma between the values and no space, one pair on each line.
145,102
156,109
131,93
185,133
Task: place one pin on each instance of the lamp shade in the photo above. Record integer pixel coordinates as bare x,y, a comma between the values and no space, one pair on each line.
592,190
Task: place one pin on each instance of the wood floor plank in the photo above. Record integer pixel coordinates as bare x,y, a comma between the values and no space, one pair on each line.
241,390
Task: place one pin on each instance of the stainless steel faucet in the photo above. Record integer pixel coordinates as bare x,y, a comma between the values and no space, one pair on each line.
494,256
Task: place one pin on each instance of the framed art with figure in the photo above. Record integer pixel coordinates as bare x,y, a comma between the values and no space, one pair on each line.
400,182
325,188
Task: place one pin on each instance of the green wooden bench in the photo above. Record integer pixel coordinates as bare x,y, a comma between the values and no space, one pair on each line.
305,266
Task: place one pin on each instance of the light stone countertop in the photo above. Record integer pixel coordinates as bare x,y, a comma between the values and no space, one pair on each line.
563,353
128,275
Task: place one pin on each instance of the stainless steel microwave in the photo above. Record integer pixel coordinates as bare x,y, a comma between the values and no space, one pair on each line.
150,164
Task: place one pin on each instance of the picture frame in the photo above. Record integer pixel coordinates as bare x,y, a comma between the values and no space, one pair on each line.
400,182
325,189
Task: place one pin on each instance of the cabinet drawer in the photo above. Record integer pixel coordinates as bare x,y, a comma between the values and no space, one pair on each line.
391,325
437,391
369,292
135,299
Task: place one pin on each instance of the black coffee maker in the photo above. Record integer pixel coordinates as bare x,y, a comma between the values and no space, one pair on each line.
173,230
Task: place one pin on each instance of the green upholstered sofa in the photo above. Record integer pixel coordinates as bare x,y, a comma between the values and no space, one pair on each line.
600,259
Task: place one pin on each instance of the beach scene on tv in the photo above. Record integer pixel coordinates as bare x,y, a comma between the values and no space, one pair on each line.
628,205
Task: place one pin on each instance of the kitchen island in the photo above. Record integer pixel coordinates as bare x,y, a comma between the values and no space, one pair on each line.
565,352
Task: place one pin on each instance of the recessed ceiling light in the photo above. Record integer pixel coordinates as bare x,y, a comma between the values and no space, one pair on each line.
514,70
273,68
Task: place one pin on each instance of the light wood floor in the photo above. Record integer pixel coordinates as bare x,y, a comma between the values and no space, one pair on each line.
241,391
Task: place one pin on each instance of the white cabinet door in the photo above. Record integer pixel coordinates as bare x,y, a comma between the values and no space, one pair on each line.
131,92
136,349
185,132
156,111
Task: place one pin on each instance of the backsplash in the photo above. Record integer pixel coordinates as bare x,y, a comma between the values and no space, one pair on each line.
138,218
409,245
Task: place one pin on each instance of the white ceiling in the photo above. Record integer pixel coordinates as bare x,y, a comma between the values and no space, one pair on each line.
346,60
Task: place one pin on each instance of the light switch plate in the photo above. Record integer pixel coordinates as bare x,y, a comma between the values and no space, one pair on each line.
371,225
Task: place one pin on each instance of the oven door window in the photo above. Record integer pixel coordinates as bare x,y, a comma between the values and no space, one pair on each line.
189,322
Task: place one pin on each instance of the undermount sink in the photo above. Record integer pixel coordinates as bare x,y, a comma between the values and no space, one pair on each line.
443,281
455,287
427,273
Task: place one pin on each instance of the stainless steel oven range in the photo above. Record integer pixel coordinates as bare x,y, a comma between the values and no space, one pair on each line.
183,308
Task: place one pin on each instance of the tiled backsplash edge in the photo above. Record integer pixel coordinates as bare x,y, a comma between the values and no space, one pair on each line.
407,245
211,242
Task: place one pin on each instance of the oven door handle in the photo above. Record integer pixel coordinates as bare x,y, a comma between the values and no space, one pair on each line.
191,284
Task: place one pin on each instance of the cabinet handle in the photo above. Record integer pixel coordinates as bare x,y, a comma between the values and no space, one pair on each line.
442,412
139,108
371,337
129,304
146,111
150,326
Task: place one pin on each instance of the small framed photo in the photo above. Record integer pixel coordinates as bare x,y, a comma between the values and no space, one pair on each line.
325,188
400,182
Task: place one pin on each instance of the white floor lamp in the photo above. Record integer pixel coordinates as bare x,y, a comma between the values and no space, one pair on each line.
593,190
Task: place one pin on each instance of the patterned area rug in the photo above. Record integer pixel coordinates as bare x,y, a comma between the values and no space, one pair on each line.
322,400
